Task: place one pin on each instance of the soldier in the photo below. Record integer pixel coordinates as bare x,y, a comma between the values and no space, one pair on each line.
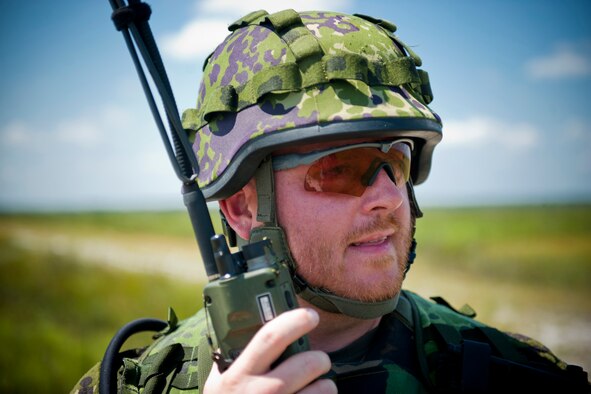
312,128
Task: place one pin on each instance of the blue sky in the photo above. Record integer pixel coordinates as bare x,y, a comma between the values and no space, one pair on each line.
510,79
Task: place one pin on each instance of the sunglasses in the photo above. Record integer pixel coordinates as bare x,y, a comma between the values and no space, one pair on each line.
350,169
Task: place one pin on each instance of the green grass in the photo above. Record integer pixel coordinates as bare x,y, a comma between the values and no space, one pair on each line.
169,223
57,314
546,245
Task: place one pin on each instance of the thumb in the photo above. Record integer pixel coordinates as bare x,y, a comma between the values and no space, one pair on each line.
213,379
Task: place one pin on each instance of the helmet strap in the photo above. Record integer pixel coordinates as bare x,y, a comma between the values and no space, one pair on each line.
265,184
414,205
329,302
318,297
416,213
267,215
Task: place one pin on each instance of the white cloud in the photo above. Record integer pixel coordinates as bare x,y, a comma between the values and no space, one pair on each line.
577,130
565,61
199,37
80,132
100,155
111,116
86,130
196,39
150,163
483,130
16,133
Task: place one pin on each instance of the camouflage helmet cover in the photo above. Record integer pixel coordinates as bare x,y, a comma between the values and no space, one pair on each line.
296,78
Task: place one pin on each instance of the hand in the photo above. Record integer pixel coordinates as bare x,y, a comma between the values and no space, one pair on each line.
251,372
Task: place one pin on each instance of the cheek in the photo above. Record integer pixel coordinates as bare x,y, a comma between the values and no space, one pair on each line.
307,216
296,207
287,186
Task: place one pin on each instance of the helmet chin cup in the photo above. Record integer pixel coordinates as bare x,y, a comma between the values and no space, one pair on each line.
346,306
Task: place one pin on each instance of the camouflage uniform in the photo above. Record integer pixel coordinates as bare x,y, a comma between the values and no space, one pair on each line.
421,347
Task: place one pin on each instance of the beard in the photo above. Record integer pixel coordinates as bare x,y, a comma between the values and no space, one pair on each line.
322,264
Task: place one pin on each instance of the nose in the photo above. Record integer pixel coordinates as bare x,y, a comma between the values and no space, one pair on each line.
383,194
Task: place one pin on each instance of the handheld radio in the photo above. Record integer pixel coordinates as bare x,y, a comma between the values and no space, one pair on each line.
246,288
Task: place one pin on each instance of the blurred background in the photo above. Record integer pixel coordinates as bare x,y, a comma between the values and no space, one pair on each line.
93,232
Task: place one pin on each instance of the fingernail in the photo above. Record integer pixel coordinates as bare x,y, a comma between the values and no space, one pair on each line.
313,315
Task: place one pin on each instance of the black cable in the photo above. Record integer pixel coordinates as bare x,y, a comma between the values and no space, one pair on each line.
112,359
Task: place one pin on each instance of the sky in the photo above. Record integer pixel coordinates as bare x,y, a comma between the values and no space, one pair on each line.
511,80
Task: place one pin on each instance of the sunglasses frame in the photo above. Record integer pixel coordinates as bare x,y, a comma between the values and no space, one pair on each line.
293,160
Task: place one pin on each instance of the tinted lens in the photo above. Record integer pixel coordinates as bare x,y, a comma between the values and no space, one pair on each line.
351,171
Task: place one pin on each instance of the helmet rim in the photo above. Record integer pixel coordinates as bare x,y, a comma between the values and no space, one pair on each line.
425,132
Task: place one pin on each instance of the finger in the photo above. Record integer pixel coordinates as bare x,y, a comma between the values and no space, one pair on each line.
301,369
321,386
272,339
213,380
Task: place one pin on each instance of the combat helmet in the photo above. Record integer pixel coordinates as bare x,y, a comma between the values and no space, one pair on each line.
290,78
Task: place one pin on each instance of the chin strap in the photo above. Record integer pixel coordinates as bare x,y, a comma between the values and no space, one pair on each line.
318,297
415,213
329,302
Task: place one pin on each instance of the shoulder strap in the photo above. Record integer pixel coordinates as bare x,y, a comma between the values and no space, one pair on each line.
204,360
160,371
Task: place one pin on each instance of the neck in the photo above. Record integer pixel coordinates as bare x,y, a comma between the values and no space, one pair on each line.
335,330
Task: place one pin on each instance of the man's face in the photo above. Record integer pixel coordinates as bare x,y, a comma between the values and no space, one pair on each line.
355,247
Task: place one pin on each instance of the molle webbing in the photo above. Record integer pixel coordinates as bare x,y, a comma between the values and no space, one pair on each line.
455,354
312,67
421,87
155,371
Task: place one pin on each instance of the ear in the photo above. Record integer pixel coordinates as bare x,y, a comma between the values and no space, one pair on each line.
240,210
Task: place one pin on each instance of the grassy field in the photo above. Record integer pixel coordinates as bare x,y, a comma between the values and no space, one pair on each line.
69,281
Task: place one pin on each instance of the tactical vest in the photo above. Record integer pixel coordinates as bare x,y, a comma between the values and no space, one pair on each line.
442,350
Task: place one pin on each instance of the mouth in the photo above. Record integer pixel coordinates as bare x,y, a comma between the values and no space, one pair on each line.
372,240
370,243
